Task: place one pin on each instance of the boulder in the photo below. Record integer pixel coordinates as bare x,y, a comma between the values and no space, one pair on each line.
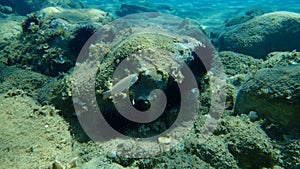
277,31
236,143
74,16
274,94
236,63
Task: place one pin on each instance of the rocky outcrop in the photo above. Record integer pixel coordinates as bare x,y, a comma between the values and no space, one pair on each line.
277,31
274,94
54,36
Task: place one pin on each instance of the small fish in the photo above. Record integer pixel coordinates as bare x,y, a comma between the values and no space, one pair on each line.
122,85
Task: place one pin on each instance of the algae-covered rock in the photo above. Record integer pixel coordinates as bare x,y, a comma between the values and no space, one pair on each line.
50,39
274,94
77,4
236,143
9,29
238,67
277,31
74,16
12,78
216,153
58,93
138,53
277,59
236,63
143,82
248,143
291,154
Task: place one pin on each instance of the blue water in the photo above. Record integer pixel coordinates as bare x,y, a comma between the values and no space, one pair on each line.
210,13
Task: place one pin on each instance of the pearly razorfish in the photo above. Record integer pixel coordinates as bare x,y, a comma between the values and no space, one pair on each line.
121,85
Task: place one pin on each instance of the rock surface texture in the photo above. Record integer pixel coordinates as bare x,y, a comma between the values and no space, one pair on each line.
277,31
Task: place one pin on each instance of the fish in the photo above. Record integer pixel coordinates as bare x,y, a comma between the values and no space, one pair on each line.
121,85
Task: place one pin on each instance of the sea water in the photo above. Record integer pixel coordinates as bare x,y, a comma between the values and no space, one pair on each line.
210,13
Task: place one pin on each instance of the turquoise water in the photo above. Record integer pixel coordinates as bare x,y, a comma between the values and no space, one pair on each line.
211,13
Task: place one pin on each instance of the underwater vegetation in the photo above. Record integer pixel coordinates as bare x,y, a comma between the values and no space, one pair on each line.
144,64
48,43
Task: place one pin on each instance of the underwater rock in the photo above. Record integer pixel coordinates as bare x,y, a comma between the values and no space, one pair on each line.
291,154
139,52
248,143
75,16
9,29
76,4
236,143
127,9
142,80
277,31
5,9
277,59
274,94
216,153
152,72
13,78
237,67
24,7
236,63
58,93
47,39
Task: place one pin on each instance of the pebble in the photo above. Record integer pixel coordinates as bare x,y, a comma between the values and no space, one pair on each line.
112,154
164,140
